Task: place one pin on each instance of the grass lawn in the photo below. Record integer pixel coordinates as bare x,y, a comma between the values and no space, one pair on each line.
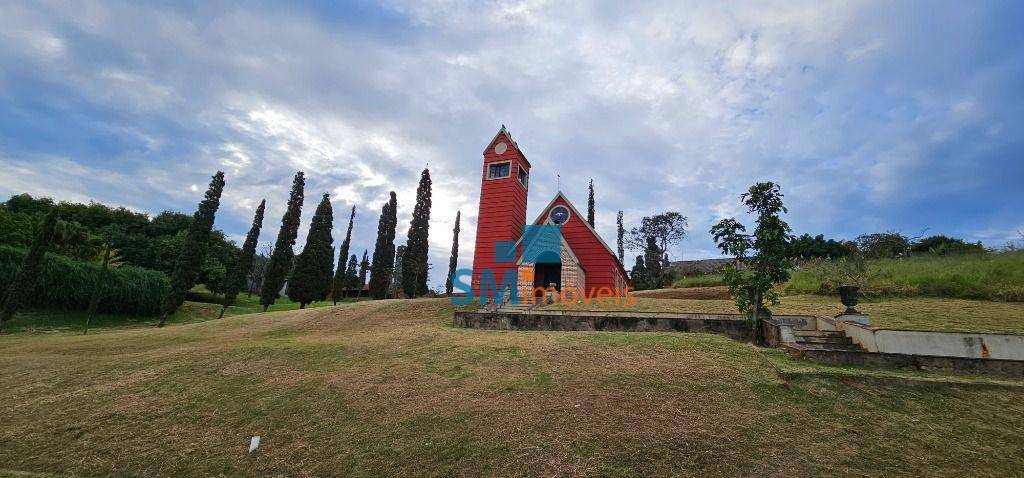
917,313
709,280
389,388
37,321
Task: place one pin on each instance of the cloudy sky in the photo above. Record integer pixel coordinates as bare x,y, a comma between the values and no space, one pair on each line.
871,115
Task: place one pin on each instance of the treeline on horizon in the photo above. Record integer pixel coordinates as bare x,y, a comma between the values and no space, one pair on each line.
653,269
80,254
110,251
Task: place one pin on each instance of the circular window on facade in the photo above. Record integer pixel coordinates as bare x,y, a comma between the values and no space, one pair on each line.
559,215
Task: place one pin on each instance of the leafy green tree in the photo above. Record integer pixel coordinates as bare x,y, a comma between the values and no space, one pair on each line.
764,253
28,274
244,265
311,279
221,255
340,279
193,252
883,245
590,203
16,228
453,262
667,228
83,230
74,240
281,259
384,250
807,247
214,274
414,259
943,245
25,203
168,223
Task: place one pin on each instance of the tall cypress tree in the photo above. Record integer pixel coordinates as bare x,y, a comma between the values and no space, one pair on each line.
653,257
28,274
638,276
620,232
238,276
364,269
590,203
414,263
384,249
351,272
396,274
340,280
454,261
311,279
281,259
193,251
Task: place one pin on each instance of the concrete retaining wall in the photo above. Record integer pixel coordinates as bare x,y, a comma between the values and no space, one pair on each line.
945,344
732,326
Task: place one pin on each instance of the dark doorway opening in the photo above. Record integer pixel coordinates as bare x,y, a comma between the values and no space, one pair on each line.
545,274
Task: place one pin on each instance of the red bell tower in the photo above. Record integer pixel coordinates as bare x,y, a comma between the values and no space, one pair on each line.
502,215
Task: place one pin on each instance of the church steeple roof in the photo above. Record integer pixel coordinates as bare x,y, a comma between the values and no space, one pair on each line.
503,132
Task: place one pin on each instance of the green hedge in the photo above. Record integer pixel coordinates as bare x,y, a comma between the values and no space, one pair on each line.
67,284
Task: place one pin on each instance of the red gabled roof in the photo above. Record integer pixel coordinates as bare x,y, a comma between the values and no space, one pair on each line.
542,218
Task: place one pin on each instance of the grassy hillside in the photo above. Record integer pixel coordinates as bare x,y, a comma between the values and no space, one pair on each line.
56,320
388,388
997,276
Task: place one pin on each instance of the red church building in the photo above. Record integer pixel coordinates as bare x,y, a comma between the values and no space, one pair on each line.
585,264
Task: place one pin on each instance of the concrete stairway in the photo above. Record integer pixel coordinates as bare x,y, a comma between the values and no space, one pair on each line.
823,340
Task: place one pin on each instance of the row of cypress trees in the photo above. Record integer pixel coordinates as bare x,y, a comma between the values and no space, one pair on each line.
310,276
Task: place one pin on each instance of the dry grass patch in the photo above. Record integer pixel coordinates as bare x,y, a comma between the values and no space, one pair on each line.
389,388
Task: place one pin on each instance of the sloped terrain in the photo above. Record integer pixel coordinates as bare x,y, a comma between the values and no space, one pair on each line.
389,388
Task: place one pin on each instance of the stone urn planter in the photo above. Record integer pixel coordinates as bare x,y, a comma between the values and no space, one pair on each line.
848,295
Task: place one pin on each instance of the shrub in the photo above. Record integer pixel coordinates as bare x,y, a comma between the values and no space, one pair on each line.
66,283
883,245
943,245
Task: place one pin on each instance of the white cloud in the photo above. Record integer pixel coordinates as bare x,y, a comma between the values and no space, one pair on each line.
667,105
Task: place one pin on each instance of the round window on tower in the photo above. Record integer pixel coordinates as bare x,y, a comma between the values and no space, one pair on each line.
559,215
500,148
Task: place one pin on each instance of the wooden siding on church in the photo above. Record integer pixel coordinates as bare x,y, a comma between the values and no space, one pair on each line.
601,267
502,211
